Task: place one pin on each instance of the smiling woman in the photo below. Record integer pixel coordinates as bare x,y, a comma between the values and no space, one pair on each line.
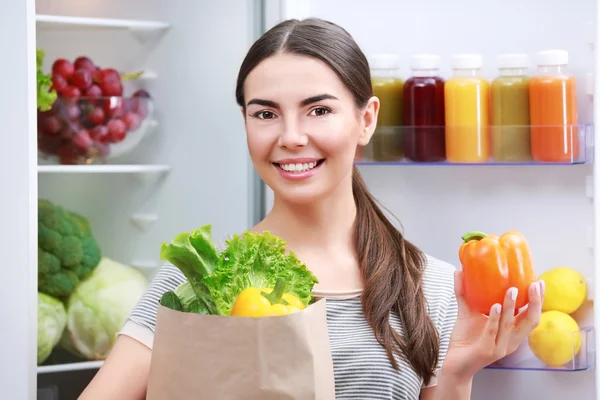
397,321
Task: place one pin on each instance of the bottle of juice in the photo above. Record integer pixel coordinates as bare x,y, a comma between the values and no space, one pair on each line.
386,143
467,105
553,109
423,116
510,110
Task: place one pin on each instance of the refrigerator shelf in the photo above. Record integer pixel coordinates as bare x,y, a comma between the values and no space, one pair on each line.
63,21
402,145
75,366
524,359
104,169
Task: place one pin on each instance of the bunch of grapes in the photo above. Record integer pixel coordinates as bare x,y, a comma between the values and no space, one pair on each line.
90,112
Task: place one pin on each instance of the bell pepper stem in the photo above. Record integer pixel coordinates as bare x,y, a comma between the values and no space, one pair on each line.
474,235
276,296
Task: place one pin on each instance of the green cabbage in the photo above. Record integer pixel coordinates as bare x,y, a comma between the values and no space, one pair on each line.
52,319
99,307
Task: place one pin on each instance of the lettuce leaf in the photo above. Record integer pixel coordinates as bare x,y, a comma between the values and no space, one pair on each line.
257,260
195,255
46,95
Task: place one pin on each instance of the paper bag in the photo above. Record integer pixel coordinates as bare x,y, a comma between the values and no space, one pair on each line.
214,357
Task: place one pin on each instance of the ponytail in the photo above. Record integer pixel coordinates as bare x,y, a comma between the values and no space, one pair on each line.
392,271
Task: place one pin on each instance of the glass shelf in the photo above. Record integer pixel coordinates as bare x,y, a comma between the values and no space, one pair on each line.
584,359
506,145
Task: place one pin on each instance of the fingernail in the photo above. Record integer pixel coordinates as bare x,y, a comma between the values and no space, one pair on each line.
543,285
538,288
497,308
513,293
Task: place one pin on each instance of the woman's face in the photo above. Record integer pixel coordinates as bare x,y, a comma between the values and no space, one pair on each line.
303,126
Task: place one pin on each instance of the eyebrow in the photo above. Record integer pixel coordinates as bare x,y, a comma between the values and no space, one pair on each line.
305,102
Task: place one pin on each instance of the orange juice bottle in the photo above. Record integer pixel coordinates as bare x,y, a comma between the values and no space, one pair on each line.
467,105
553,109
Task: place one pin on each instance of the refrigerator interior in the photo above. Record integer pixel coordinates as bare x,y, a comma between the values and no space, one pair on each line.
199,157
435,205
190,170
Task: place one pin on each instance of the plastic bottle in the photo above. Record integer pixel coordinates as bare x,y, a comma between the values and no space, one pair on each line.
467,105
386,143
511,141
553,109
424,114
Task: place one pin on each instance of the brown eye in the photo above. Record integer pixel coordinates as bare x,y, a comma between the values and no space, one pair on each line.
265,115
320,111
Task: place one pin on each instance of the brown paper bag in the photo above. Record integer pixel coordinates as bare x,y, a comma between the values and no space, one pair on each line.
214,357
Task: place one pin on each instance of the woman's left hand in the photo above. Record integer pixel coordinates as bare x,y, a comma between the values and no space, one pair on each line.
478,340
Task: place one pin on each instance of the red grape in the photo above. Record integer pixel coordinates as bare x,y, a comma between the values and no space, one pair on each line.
141,93
100,134
82,140
68,154
71,92
132,120
82,79
117,129
106,74
72,112
63,67
59,83
114,107
51,125
96,116
93,91
111,87
85,63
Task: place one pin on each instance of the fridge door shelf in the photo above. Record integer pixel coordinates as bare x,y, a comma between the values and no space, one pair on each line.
507,145
562,346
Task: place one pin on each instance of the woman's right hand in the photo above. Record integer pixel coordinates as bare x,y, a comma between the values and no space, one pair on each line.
124,375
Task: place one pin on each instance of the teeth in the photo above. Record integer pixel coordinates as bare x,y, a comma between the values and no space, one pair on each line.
298,167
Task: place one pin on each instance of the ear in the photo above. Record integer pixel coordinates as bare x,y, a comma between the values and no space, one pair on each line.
369,120
243,112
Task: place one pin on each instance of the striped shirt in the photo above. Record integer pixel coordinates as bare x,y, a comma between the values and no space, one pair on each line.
362,370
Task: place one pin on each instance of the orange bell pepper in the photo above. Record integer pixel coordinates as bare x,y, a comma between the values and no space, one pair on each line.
491,265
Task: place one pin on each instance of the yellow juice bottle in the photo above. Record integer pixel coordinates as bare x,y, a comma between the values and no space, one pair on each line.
467,106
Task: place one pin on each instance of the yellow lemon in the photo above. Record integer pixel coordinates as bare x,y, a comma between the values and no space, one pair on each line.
556,340
565,290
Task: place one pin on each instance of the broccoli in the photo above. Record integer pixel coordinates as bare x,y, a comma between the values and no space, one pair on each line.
67,250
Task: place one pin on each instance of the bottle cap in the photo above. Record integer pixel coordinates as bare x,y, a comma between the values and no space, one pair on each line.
553,57
385,61
467,61
513,61
425,61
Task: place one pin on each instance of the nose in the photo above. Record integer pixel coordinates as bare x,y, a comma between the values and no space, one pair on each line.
292,136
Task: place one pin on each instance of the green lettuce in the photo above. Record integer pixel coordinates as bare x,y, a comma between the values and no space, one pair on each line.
195,255
257,260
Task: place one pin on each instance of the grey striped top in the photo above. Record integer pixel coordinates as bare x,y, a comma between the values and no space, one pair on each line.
361,368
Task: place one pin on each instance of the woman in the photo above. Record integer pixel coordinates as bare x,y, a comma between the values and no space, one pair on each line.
399,328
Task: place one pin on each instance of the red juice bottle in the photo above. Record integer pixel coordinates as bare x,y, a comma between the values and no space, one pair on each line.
423,111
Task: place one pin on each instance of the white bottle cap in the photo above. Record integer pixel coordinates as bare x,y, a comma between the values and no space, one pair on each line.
513,61
425,61
467,61
553,57
384,61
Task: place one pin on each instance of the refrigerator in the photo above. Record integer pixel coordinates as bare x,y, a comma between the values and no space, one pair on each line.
192,167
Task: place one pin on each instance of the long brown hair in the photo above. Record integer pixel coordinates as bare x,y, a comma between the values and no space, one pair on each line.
391,267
